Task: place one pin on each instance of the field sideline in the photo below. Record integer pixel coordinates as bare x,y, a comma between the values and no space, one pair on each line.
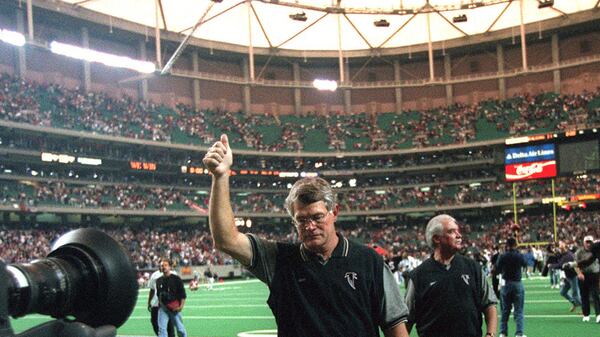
239,308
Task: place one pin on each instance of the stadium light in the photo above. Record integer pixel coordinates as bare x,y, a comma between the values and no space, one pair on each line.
14,38
545,3
325,84
100,57
299,16
460,18
381,23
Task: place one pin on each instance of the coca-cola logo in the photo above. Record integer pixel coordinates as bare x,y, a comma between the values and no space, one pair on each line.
531,170
527,170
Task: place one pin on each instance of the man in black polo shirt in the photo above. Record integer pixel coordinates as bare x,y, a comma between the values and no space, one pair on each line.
324,286
171,297
448,292
513,294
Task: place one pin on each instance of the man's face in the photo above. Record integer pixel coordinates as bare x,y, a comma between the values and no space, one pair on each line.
315,224
587,244
450,239
165,267
562,246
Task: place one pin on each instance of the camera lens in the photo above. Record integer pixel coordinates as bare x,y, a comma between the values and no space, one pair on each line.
87,275
47,286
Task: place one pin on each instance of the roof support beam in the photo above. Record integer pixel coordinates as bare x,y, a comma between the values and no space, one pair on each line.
264,67
215,16
302,31
157,34
362,68
523,39
397,30
78,3
450,23
340,50
498,17
358,31
250,45
29,20
162,14
261,25
430,49
185,41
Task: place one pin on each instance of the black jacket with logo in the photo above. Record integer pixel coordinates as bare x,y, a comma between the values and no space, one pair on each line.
449,302
343,296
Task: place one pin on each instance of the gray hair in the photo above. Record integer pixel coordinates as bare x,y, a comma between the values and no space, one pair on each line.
310,190
435,226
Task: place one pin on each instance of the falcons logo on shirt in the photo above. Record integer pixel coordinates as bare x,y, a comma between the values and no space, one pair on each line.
466,278
351,277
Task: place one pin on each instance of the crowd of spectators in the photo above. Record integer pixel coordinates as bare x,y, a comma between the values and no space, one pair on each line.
146,245
57,106
82,146
118,174
384,197
192,245
526,113
188,246
52,105
120,196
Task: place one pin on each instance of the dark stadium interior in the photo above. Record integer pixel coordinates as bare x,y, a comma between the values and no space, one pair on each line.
93,148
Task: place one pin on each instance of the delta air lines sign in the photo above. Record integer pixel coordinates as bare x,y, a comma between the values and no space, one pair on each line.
530,162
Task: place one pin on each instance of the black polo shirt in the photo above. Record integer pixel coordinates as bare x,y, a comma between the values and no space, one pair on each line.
351,294
169,288
448,301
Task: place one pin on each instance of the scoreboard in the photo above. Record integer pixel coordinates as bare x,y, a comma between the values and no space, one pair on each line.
581,156
530,162
573,152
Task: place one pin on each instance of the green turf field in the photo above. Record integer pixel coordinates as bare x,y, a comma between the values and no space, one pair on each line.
236,307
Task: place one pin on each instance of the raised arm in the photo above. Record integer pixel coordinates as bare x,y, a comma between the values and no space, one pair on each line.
218,161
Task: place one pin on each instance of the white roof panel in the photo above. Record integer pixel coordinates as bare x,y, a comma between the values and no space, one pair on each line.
227,21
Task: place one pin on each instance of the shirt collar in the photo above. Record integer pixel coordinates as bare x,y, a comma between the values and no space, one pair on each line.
341,250
445,266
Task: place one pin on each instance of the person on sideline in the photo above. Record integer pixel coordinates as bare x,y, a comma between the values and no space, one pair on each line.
153,303
171,298
589,280
323,286
570,288
512,293
552,257
448,293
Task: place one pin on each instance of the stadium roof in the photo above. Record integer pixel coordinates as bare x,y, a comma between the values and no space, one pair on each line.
333,25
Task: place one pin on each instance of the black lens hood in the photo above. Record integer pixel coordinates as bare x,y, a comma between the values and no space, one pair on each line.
110,286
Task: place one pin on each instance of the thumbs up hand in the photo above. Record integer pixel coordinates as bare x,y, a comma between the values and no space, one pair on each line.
219,158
